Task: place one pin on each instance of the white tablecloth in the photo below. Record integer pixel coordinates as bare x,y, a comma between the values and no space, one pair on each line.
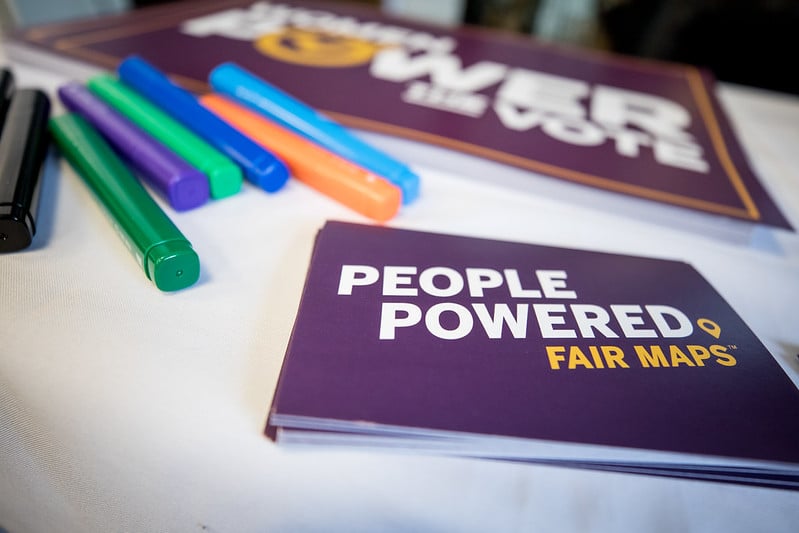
126,409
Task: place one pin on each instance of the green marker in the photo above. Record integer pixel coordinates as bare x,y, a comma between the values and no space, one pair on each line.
166,256
224,176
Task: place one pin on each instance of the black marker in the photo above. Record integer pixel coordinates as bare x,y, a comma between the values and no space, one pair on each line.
23,147
6,89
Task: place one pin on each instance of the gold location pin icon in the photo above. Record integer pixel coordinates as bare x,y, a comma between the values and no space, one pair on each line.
708,326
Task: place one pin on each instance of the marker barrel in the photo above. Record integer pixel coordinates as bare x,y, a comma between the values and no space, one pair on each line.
260,167
321,169
184,186
243,86
162,250
224,176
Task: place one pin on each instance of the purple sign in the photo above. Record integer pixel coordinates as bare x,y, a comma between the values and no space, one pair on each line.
427,335
641,128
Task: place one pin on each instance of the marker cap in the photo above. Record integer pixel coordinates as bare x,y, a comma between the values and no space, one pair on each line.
172,265
23,148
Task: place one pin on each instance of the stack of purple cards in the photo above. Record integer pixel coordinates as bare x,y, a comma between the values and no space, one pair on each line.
465,346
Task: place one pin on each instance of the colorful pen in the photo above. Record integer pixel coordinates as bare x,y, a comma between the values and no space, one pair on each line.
224,176
164,253
260,167
346,182
232,80
184,186
23,148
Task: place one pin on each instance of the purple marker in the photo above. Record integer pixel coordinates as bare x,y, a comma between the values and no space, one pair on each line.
184,186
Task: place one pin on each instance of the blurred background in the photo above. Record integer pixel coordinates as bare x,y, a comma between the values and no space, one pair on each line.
748,42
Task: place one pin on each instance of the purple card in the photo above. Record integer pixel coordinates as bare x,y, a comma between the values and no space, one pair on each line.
640,128
500,349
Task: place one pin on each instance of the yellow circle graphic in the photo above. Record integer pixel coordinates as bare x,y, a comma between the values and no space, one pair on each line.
315,48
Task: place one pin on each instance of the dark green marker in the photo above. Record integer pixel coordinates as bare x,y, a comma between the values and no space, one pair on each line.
165,254
224,176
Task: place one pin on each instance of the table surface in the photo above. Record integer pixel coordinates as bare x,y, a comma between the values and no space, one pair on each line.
126,409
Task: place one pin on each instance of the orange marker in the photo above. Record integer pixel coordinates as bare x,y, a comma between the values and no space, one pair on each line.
326,172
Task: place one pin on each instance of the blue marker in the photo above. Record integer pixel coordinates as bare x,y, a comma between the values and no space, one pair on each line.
233,81
260,167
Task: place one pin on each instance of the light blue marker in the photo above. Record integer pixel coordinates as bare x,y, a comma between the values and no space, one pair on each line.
235,82
260,167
